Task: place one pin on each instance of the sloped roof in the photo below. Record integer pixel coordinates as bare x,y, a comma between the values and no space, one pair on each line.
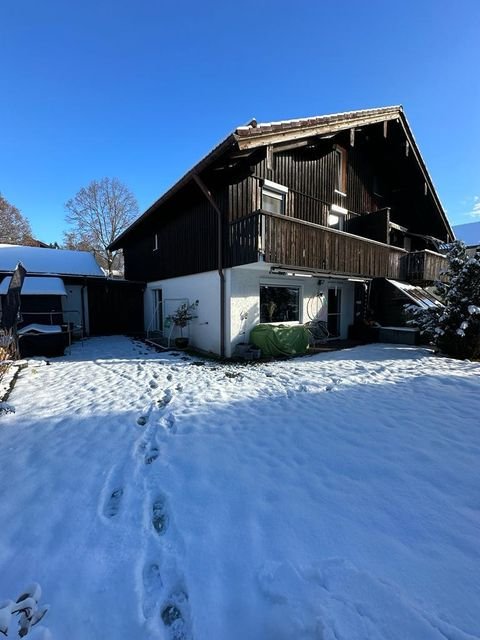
314,125
468,233
420,296
37,286
256,134
37,260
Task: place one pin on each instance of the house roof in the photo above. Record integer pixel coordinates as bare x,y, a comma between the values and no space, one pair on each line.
468,233
303,127
37,286
37,260
258,134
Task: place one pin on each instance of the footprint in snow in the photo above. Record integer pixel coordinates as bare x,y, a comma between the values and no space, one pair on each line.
160,517
144,417
174,615
169,377
167,397
142,420
112,506
153,384
152,455
169,422
152,585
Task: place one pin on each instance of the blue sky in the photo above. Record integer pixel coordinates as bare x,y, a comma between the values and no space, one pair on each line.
141,90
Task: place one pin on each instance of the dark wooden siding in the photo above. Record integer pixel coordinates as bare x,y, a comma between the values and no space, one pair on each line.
187,240
380,174
115,307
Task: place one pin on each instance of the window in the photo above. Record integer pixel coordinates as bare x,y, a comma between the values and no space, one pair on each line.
273,197
155,242
341,169
337,217
279,304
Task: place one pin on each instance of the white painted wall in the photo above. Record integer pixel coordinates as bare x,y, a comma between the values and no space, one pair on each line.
242,289
204,331
245,299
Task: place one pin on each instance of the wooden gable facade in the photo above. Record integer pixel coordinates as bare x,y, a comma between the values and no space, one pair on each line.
362,167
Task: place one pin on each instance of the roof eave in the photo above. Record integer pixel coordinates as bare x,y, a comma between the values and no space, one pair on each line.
342,123
426,174
228,142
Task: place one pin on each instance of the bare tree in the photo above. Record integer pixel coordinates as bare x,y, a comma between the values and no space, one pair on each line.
98,214
14,227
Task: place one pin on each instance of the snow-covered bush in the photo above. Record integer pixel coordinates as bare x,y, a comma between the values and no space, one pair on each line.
454,328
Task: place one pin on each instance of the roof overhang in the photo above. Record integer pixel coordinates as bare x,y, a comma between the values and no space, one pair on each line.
256,135
259,135
33,286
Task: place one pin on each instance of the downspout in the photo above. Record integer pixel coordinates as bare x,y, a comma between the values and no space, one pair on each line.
221,274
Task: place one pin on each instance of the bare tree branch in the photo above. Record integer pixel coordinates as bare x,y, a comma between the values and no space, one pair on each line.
14,227
97,214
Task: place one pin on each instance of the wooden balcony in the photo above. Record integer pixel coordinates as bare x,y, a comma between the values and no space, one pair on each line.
420,267
288,241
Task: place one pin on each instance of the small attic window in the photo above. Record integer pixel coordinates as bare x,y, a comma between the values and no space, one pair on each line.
341,166
155,242
274,197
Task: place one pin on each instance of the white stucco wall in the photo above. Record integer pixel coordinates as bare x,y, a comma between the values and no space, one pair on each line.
242,289
203,331
245,299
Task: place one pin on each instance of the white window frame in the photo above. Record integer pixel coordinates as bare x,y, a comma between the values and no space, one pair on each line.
341,186
339,214
276,191
155,242
284,285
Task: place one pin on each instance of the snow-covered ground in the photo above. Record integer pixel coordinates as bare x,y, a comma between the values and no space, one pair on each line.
334,497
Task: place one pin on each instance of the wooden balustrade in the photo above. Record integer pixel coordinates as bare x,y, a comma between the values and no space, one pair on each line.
284,240
421,267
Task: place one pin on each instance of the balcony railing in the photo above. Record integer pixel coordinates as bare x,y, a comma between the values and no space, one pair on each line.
292,242
420,267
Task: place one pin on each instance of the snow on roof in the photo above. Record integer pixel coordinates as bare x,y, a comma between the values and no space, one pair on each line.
255,127
37,287
468,233
51,261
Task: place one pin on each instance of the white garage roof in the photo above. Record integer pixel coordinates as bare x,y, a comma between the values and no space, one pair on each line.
61,262
37,287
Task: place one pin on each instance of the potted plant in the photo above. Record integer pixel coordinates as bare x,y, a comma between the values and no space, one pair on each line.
180,318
